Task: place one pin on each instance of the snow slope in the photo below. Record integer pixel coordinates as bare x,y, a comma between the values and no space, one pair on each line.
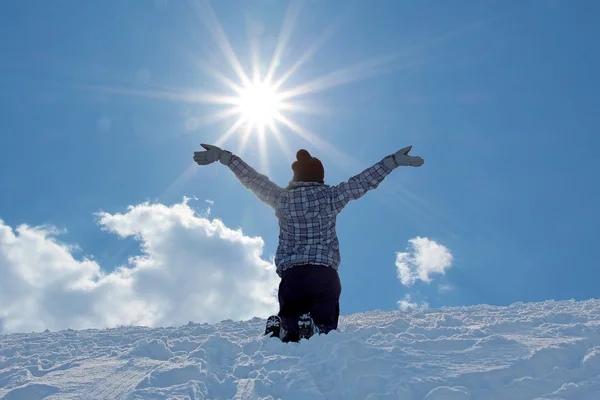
547,350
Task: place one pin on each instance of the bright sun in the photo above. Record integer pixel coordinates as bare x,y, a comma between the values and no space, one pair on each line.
259,104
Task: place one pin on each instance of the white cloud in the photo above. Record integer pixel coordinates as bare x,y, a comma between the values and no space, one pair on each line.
210,203
191,268
423,258
445,288
405,304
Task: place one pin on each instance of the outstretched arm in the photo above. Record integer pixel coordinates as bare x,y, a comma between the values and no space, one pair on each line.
259,184
370,178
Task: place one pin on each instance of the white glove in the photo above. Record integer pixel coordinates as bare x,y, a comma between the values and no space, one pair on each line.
212,154
401,158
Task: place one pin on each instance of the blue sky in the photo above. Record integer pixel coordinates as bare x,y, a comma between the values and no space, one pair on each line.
499,98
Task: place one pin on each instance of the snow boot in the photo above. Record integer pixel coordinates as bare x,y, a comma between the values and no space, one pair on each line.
273,327
307,327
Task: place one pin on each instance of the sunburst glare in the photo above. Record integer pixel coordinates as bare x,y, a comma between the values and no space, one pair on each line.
259,104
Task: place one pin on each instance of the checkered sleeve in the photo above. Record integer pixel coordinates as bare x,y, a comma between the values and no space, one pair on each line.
358,185
259,184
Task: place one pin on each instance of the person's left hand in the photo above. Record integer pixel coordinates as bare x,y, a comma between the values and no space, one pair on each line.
403,159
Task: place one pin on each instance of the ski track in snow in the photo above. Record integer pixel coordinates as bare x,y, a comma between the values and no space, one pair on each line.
548,350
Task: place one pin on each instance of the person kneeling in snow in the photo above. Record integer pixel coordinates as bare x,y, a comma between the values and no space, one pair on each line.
308,254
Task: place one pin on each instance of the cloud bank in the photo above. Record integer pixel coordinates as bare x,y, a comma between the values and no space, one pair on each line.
190,269
422,259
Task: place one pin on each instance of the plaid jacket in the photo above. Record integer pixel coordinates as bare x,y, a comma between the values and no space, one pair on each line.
307,212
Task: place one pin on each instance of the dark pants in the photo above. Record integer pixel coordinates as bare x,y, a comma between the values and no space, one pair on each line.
313,289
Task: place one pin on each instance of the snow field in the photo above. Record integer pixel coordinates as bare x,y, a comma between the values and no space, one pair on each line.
548,350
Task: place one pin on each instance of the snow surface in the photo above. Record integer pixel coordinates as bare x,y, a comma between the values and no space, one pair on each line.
548,350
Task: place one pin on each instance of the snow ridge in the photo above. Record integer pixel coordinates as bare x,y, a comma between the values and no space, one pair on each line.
548,350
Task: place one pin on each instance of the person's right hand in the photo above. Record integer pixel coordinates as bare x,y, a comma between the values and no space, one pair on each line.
212,154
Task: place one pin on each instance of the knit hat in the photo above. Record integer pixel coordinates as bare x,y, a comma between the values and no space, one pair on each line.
308,168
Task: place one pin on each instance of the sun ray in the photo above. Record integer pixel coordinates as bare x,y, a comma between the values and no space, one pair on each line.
254,57
245,137
301,61
314,140
453,33
230,131
215,117
194,123
371,67
167,94
355,72
219,76
287,28
205,12
433,212
303,108
281,141
263,150
309,53
420,211
179,182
